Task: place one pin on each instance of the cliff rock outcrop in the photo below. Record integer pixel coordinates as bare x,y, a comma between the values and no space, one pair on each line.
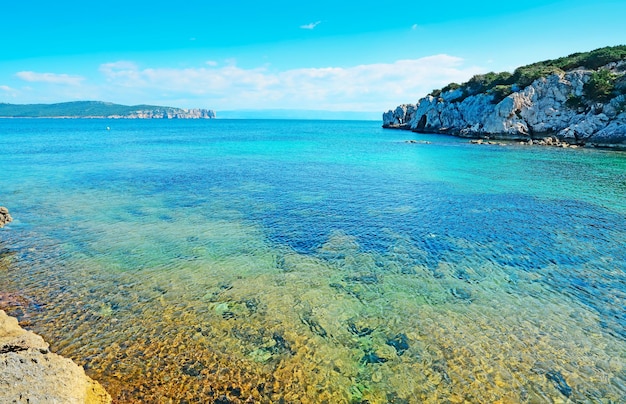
30,373
168,113
4,216
575,106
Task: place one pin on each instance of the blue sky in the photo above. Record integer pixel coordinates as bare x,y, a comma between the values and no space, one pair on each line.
323,55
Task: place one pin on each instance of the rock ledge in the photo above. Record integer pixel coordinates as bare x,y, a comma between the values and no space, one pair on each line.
30,373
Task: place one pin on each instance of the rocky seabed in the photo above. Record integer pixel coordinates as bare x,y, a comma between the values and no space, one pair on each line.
30,373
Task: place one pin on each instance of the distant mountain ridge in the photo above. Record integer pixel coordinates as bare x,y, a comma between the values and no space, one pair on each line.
99,109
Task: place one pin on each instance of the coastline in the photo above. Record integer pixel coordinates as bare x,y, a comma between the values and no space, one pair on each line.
31,373
579,100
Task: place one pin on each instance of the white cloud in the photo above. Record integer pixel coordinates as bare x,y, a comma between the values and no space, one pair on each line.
371,87
8,91
414,27
122,71
51,78
311,25
211,63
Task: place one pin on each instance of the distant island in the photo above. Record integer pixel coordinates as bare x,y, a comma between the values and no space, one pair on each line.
99,109
579,99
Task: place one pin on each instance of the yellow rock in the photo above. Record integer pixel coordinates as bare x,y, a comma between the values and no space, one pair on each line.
31,373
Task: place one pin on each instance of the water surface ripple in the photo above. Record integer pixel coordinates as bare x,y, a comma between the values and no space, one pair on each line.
316,261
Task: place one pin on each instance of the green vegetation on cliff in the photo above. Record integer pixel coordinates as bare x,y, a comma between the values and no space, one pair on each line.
601,87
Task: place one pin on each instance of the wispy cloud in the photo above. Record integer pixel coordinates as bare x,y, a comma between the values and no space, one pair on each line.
8,91
122,70
370,87
311,25
414,27
51,78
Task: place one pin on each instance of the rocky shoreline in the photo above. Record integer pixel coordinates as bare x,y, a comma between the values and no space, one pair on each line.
563,106
30,373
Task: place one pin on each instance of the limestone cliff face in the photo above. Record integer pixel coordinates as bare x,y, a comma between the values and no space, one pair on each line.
168,113
543,108
30,373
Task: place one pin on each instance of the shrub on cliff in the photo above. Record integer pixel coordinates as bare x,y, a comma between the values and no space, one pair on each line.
504,83
601,86
525,75
500,92
481,83
451,87
575,102
594,59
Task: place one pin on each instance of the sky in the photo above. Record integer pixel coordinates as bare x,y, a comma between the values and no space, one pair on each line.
366,56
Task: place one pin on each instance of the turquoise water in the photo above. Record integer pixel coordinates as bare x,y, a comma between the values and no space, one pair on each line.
316,261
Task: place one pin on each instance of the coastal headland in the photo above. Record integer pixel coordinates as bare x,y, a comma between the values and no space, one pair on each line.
99,109
579,99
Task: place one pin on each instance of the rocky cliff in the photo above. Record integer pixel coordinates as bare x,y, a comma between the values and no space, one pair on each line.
30,373
585,106
167,113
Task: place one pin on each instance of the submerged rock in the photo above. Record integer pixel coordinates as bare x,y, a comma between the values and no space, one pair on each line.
193,368
281,345
462,294
400,342
371,357
359,331
369,279
31,373
440,367
314,325
559,382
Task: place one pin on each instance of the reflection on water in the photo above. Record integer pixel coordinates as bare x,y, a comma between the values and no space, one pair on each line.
250,279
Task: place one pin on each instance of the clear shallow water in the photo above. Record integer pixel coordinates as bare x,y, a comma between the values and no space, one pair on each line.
316,261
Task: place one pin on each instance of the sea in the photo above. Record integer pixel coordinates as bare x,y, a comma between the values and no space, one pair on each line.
295,261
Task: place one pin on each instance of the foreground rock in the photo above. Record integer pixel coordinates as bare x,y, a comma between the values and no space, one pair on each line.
571,107
4,216
30,373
